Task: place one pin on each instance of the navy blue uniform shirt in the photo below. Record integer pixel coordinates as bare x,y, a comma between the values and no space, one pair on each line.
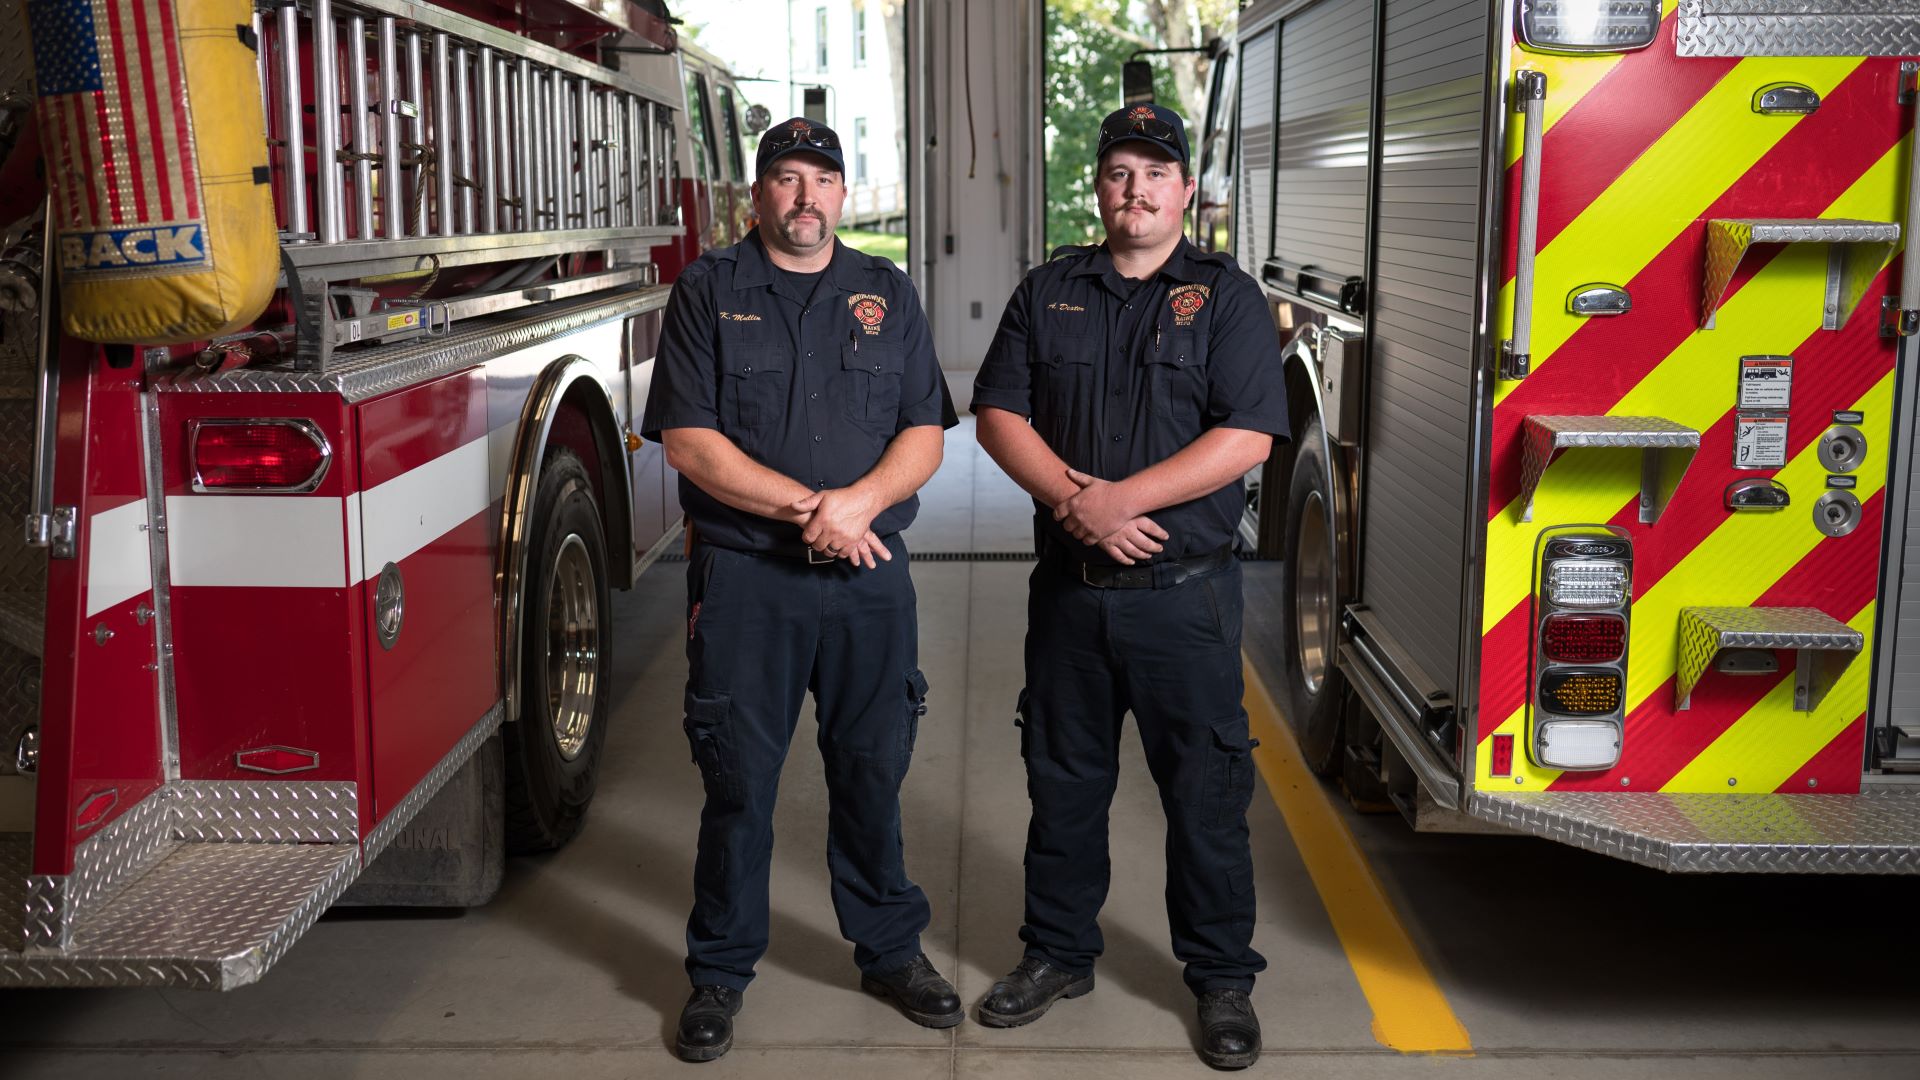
811,386
1117,375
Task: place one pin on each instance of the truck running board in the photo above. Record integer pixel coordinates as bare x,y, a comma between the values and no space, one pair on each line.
211,916
1875,832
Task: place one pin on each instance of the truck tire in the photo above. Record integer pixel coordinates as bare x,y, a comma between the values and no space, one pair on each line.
1312,687
553,747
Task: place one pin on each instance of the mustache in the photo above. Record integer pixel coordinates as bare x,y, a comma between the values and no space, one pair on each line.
796,215
1138,205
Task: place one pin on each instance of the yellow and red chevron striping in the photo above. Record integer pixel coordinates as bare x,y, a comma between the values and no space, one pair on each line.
1801,176
1834,369
1838,576
1596,140
1656,145
1841,756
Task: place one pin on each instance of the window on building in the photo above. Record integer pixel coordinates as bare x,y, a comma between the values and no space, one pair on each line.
860,150
820,39
859,33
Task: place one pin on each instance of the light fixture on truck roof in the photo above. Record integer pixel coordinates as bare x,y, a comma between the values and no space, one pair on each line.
1588,26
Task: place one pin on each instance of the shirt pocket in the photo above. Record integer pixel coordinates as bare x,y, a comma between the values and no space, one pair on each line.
1177,376
1062,373
871,374
754,391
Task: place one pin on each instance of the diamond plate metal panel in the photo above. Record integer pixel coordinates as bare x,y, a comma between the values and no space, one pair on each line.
1704,631
16,858
1861,247
430,785
1797,28
368,373
1668,449
1869,833
22,620
210,916
16,54
266,812
109,859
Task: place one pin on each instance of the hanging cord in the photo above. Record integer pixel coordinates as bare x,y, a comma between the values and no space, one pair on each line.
999,154
423,162
966,75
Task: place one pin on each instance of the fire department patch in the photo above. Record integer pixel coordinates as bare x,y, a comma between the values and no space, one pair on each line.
1186,301
869,309
1142,114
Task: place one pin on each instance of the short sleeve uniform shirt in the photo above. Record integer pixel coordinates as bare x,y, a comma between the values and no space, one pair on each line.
1117,375
813,386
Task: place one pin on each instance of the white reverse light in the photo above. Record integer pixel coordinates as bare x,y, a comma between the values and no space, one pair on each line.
1577,744
1587,583
1588,25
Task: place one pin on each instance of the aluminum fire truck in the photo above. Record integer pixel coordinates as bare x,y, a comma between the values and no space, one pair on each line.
319,417
1598,521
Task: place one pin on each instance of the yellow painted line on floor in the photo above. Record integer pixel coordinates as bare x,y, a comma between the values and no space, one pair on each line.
1410,1014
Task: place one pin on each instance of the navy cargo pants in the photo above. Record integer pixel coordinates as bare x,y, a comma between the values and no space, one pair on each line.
1172,656
762,630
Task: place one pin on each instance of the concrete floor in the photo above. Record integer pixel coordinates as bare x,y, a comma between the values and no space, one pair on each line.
1557,963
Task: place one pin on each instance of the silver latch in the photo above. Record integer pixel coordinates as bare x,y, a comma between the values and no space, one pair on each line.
57,531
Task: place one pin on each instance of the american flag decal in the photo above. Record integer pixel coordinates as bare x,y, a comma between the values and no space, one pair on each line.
113,117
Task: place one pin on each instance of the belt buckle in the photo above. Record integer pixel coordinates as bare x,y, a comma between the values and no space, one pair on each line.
819,558
1085,580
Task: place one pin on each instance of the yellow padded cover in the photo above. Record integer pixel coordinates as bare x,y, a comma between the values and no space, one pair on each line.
156,155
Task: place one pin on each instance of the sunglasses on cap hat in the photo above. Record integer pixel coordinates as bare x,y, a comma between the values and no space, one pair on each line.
779,142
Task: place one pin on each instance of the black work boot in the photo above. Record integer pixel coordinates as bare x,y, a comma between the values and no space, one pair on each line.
1229,1032
918,991
1028,991
706,1023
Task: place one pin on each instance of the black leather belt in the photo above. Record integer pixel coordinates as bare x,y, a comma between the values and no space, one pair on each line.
1158,575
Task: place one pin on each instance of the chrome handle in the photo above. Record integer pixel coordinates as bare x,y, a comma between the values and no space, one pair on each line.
1530,99
47,525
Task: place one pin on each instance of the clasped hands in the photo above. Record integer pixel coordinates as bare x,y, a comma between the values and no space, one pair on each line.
839,523
1101,514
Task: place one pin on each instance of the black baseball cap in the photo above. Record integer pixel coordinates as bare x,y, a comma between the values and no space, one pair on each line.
798,135
1155,124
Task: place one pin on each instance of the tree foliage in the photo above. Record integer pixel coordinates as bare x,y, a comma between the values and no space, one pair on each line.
1086,42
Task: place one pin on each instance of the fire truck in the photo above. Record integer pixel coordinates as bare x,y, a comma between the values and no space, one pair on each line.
1598,524
323,327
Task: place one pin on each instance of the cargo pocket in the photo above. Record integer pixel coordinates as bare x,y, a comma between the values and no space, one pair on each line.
710,734
1229,776
916,706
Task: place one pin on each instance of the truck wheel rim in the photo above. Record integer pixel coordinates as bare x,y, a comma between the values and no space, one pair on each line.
573,647
1313,594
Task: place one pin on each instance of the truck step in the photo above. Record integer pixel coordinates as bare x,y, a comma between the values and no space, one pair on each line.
1874,832
211,916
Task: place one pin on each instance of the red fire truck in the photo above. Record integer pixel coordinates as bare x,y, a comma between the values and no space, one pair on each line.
323,337
1599,523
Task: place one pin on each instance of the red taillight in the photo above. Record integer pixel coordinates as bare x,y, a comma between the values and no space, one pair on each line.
1583,639
1502,755
258,455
